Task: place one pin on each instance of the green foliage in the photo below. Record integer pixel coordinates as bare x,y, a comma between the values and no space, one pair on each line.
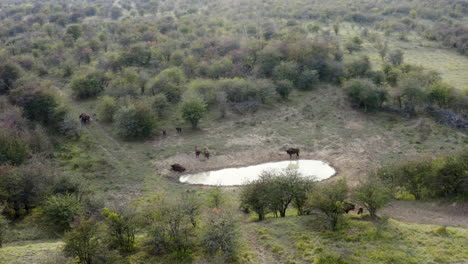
396,57
81,241
121,230
359,68
329,259
354,44
75,31
222,235
160,104
9,73
372,194
205,88
90,85
329,199
3,228
106,109
308,79
441,94
193,110
169,82
286,70
135,121
284,88
61,209
429,178
366,94
14,149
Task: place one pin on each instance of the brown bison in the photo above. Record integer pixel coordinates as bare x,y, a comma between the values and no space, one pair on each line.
197,152
84,118
179,130
360,210
348,207
207,153
177,167
292,151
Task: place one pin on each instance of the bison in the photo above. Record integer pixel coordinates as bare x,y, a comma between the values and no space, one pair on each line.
177,167
84,118
179,130
207,153
292,151
360,210
348,207
197,152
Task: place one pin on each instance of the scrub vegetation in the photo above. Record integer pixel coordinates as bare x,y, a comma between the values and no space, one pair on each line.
91,94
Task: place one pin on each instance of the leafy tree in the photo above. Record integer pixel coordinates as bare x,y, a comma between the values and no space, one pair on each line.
116,12
9,73
62,209
354,44
441,94
193,110
75,31
221,235
121,229
329,199
365,94
81,241
308,79
336,28
372,194
3,228
106,109
160,104
135,121
169,82
360,67
396,57
14,149
284,88
90,85
255,196
286,70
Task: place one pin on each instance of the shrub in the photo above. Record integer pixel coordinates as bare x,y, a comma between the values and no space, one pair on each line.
160,104
193,110
329,199
355,44
106,109
75,31
9,73
81,241
90,85
365,94
360,67
121,230
308,79
135,121
265,90
206,89
3,228
61,209
284,88
13,148
169,82
221,235
372,194
255,196
286,70
442,95
396,57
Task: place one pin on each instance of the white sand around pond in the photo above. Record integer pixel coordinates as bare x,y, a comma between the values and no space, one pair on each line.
239,176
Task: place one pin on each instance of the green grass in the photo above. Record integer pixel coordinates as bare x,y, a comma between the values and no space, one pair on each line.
28,252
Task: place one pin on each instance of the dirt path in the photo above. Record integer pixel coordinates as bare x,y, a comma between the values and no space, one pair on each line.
263,255
454,214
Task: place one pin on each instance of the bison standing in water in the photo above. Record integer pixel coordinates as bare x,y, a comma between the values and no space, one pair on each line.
177,167
293,151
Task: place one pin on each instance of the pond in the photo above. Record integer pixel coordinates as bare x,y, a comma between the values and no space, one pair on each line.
239,176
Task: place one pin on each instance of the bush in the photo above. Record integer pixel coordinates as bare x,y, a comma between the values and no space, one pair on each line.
135,121
61,209
360,67
329,199
121,230
160,104
372,194
396,57
81,242
169,82
106,109
14,149
366,94
3,228
284,88
193,110
355,44
9,73
90,85
286,70
221,235
74,31
308,79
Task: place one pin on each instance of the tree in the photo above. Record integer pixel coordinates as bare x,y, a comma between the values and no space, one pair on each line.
81,241
372,194
75,31
221,235
396,57
365,94
106,109
14,149
90,85
354,44
255,196
135,121
286,70
329,199
441,94
336,28
61,209
193,110
9,73
121,229
3,228
308,79
284,88
169,82
360,67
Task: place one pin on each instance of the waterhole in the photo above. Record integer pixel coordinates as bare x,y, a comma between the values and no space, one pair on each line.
317,169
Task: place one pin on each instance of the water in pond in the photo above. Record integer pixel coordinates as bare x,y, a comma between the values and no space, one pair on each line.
238,176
